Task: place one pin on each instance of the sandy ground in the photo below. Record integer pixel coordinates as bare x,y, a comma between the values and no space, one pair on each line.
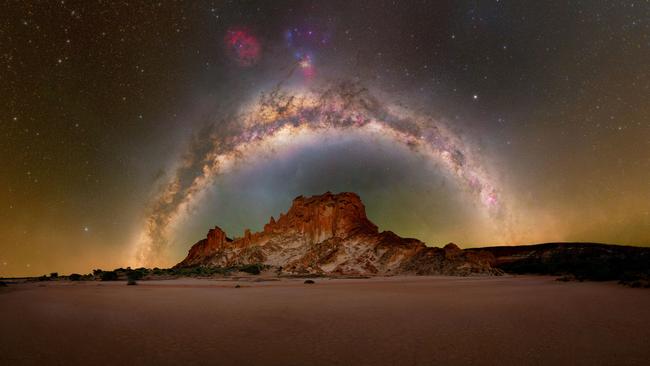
378,321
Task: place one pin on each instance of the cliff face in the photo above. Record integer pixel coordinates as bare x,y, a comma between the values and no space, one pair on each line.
330,233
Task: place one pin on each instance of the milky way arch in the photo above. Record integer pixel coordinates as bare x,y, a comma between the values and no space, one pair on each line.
278,116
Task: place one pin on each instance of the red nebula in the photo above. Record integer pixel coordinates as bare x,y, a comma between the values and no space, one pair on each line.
242,46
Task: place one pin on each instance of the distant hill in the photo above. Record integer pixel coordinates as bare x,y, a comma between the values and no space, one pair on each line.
584,261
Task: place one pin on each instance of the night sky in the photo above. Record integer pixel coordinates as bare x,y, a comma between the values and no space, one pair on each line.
127,130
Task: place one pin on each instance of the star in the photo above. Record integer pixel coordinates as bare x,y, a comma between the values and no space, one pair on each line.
475,97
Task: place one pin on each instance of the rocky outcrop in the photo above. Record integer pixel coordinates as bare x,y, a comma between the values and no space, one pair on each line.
331,234
216,242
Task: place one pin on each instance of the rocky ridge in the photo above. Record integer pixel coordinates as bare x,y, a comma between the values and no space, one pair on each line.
331,234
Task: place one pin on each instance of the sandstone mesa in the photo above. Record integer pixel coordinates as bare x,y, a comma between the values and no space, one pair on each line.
331,234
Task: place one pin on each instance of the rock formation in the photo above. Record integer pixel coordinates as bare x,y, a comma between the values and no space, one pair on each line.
331,234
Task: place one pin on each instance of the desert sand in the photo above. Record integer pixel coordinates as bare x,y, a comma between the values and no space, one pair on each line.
376,321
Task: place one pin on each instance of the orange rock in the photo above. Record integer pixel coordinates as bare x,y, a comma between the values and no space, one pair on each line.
330,233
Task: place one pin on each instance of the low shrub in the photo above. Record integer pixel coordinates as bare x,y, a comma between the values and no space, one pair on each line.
74,277
253,269
160,272
108,276
136,274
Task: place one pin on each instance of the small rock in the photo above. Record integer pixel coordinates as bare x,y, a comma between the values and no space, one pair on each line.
309,282
237,286
566,278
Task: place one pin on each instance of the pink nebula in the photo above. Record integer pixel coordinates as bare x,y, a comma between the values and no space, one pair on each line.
242,46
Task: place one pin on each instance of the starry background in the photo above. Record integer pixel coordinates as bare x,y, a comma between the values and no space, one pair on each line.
99,98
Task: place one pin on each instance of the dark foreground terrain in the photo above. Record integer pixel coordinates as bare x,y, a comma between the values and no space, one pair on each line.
575,261
378,321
